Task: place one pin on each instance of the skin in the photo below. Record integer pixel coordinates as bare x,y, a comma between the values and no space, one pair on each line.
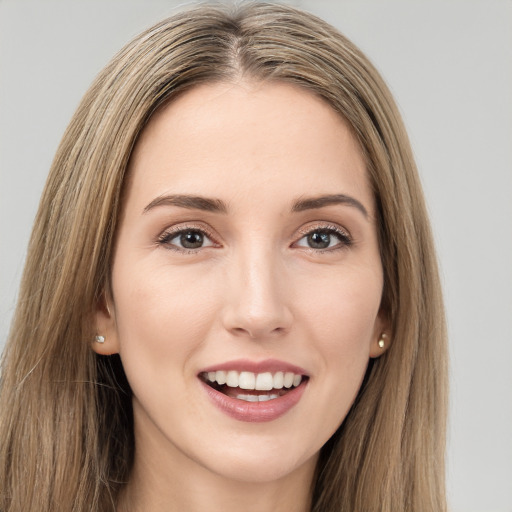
255,290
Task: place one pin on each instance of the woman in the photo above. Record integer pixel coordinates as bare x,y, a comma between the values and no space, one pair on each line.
231,297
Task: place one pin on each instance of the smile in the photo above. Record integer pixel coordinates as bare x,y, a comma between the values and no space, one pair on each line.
258,385
254,392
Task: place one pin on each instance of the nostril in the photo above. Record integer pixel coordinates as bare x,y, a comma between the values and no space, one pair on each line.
258,332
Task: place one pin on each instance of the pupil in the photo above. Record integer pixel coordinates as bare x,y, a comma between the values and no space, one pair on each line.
319,240
191,240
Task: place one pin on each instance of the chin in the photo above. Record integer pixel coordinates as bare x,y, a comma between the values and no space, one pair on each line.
264,467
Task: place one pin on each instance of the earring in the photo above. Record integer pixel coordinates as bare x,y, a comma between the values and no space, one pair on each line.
100,339
382,341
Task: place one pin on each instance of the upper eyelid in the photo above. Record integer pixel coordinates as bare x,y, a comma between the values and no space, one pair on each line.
190,226
315,226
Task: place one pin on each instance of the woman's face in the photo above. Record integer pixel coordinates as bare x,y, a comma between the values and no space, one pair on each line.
247,251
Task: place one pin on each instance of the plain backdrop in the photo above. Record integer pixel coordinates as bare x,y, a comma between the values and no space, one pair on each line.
449,65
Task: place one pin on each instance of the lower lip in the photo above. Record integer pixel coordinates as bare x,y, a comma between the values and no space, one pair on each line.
255,412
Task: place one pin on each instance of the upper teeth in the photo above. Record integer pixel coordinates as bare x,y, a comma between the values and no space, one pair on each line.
259,381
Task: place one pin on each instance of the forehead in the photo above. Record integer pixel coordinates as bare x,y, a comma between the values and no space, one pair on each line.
227,140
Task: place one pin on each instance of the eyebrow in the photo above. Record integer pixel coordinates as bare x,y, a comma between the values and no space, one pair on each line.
312,203
219,206
189,202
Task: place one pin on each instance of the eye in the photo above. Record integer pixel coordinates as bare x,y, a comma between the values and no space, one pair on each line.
186,239
325,239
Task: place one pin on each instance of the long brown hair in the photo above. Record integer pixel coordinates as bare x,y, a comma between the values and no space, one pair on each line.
65,425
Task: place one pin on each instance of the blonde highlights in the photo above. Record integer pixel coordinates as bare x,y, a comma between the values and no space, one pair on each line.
65,420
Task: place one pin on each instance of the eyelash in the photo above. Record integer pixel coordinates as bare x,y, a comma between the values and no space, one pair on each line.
170,234
345,240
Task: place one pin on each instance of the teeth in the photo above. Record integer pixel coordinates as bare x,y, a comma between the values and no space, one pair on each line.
258,381
264,381
266,398
247,380
248,398
232,379
256,398
279,380
288,379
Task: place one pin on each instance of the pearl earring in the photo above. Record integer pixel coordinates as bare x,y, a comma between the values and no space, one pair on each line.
100,339
382,340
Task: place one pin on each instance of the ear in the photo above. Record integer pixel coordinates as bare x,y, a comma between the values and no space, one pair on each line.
382,336
106,328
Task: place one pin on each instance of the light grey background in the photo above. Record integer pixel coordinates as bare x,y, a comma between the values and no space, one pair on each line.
449,64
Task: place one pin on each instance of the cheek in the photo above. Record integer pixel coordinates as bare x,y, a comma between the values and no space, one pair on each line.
342,309
341,320
161,314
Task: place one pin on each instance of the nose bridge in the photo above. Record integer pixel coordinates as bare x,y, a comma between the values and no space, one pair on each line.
257,305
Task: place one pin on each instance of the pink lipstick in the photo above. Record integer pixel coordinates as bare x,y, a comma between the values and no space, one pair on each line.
254,391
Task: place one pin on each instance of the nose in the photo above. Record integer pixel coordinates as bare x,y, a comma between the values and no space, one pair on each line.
257,296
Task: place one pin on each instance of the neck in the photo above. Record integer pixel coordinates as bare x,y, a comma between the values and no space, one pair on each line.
196,495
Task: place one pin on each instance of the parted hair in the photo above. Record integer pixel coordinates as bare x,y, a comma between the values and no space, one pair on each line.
66,426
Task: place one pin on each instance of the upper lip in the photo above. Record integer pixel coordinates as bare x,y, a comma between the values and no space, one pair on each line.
246,365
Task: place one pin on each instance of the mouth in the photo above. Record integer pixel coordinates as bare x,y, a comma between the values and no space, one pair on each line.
253,387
